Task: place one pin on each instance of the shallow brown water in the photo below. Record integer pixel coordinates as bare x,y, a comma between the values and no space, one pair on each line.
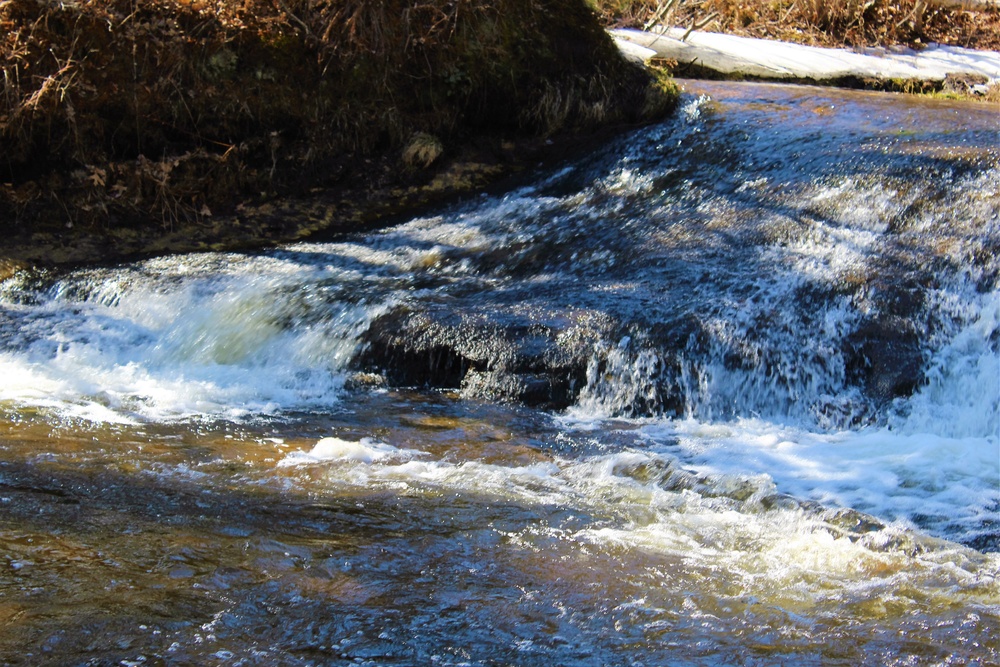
139,545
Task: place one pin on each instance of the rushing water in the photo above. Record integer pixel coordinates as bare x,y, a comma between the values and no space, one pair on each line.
781,445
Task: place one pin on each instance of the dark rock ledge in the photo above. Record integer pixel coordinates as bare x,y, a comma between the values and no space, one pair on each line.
538,358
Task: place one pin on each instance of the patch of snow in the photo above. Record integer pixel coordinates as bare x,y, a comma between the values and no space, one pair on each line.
744,56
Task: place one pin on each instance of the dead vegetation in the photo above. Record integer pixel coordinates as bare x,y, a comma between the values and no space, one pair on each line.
124,115
853,23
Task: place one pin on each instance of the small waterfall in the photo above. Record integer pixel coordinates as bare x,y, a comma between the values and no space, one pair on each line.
205,336
717,269
960,394
821,366
830,299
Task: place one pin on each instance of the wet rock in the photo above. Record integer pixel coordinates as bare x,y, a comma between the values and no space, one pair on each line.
852,521
647,471
779,501
527,388
884,357
736,487
686,332
537,359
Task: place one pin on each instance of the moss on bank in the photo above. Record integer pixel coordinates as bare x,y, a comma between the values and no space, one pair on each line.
167,125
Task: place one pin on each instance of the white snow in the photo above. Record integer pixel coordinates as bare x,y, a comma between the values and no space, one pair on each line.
743,56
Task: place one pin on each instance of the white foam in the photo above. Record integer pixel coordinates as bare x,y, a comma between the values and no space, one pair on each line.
624,502
205,336
961,397
333,449
948,485
801,565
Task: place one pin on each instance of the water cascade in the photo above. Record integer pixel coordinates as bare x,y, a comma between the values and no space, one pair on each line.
725,391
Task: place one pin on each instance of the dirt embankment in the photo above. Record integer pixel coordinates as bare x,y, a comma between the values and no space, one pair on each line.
130,128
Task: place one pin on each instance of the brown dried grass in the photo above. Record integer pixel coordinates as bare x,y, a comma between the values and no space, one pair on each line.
170,110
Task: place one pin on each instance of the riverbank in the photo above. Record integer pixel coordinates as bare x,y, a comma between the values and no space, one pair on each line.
182,127
134,130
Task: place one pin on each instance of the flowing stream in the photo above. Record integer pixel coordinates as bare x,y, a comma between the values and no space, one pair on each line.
723,392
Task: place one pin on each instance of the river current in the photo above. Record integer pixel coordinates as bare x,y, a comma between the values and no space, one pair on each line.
723,392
